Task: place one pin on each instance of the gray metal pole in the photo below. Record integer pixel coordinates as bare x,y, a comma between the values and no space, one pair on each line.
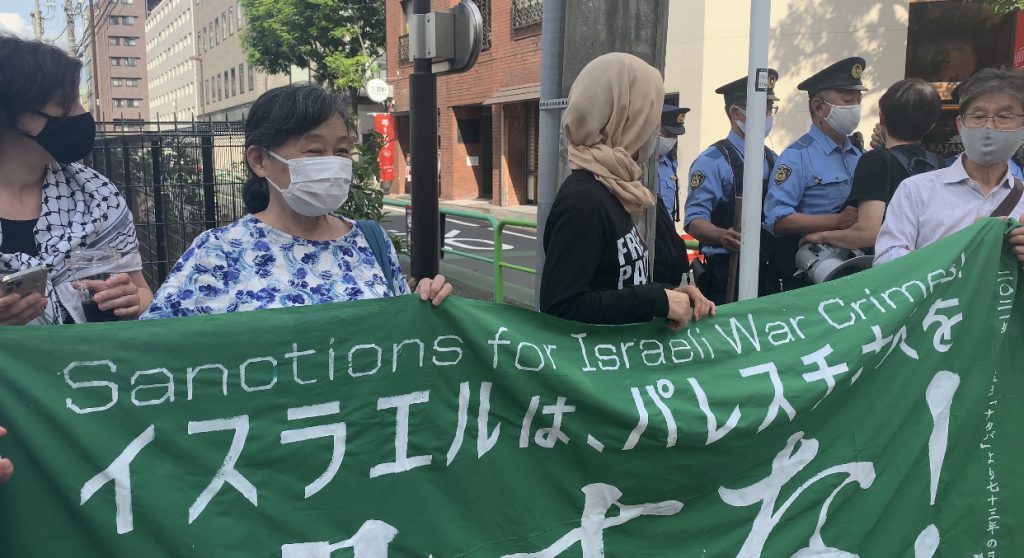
753,156
552,40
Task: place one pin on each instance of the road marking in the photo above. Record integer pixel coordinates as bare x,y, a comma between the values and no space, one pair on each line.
456,221
451,239
508,232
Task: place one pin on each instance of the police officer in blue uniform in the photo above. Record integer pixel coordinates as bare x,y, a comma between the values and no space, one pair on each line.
812,178
673,120
716,187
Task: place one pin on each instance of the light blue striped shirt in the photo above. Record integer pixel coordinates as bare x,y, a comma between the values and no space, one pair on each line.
933,205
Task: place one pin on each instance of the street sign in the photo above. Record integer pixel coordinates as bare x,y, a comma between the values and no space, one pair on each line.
377,90
452,40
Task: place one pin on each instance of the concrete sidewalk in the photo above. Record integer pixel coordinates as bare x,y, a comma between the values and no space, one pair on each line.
527,212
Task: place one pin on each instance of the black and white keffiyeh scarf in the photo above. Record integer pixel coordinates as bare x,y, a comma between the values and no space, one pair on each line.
81,209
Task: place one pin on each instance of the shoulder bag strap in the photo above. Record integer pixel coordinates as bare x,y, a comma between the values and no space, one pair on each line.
374,234
1010,201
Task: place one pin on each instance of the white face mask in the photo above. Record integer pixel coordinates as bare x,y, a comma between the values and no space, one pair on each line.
988,146
842,118
769,121
319,185
665,145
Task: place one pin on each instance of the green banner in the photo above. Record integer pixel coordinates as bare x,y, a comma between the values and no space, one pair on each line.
878,415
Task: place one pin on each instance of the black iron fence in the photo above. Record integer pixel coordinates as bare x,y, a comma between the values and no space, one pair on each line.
179,179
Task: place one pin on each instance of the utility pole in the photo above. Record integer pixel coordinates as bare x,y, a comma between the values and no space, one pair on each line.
95,89
37,22
598,27
69,14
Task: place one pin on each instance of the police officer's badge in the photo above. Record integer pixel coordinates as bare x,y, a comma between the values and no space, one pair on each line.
782,174
681,119
697,179
857,71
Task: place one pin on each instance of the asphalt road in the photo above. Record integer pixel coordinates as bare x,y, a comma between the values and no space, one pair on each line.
472,278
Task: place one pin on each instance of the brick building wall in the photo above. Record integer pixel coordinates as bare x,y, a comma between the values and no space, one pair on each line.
471,169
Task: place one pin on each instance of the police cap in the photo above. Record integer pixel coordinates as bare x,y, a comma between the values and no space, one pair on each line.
735,90
673,118
845,74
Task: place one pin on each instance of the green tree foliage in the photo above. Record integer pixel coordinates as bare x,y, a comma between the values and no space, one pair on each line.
1004,6
336,39
366,199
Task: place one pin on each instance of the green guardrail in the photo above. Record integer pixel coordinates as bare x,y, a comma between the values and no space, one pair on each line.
498,228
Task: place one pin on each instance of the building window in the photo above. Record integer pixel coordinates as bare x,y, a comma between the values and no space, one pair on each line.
220,89
216,30
241,79
127,20
526,13
114,20
231,21
233,82
114,61
485,12
252,79
127,103
223,26
129,41
209,91
117,82
238,14
131,61
115,41
403,50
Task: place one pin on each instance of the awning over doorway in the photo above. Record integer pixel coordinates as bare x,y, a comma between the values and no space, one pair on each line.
514,94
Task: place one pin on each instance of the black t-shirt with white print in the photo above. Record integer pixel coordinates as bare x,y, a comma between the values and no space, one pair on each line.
595,268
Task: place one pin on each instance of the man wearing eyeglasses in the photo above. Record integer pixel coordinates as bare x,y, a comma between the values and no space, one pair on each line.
716,186
812,178
931,206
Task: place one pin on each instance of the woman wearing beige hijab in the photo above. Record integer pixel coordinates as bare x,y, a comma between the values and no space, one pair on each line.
596,267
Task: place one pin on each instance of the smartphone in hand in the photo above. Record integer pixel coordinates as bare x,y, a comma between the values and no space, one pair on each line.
25,282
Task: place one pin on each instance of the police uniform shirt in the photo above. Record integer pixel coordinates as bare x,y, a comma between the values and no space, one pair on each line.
668,183
711,183
812,176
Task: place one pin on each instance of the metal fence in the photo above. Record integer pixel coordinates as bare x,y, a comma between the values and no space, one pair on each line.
179,179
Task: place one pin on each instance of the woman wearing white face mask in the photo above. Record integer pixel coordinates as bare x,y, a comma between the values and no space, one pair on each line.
596,265
292,250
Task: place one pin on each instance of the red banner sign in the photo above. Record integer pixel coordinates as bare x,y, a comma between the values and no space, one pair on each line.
384,124
1018,41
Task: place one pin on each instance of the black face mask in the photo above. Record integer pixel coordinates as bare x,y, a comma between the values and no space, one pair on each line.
66,138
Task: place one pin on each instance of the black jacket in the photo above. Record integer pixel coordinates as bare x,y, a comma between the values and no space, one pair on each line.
595,269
